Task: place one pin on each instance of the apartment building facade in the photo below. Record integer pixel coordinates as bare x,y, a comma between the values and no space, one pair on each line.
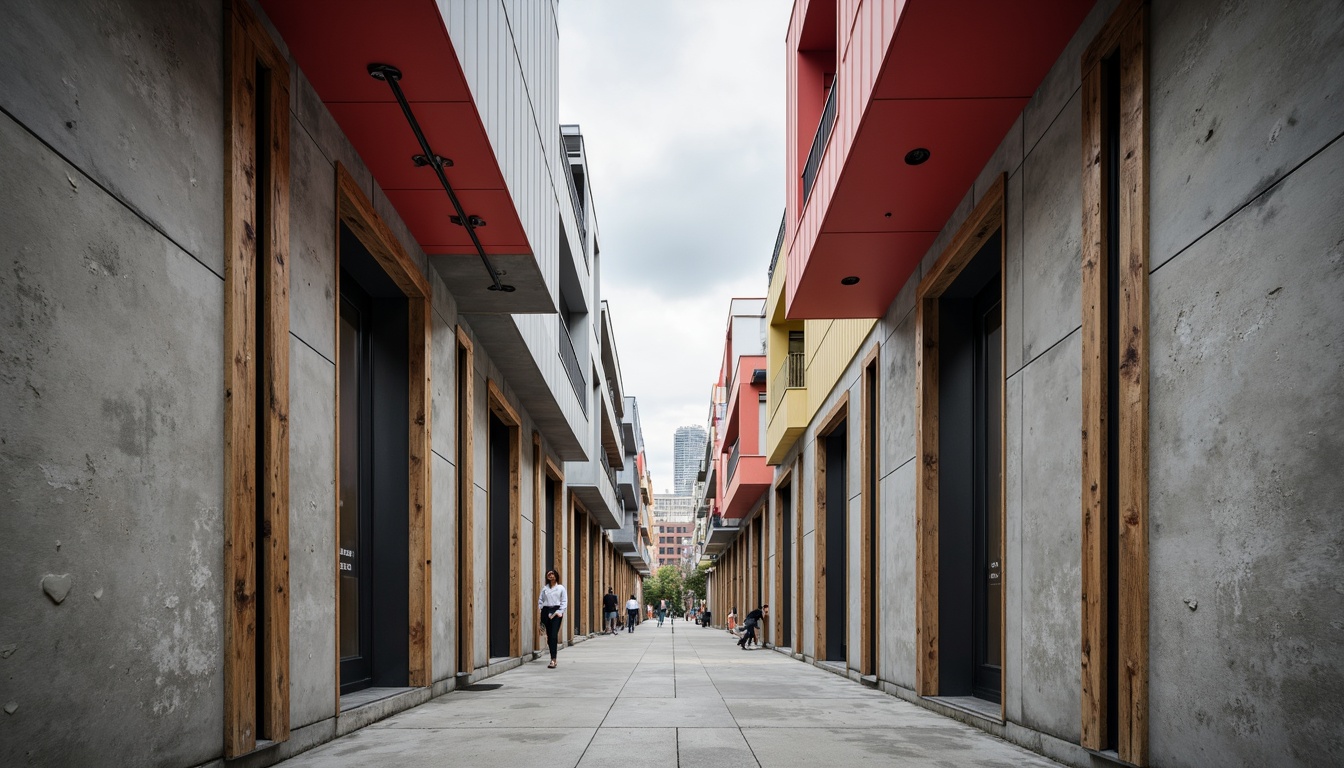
1071,475
307,373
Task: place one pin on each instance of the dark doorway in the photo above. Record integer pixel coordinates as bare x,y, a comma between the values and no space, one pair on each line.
373,556
784,497
837,566
970,395
497,594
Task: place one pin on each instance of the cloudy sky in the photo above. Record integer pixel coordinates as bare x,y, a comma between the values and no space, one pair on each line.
681,103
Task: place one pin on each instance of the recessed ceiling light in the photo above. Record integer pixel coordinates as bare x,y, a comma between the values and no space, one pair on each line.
916,156
887,215
851,280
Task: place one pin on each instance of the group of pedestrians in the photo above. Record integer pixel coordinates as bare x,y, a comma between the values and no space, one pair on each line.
554,599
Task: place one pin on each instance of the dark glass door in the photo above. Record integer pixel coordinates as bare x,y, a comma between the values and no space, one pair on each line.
987,505
355,492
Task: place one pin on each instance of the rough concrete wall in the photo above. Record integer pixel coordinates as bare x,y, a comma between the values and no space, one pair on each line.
110,477
1248,359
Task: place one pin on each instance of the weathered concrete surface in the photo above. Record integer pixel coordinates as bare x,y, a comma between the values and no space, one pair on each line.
109,472
313,284
1052,204
1051,451
1241,93
132,93
730,707
1247,385
312,536
896,659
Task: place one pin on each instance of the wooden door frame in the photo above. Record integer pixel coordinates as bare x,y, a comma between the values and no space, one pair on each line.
781,488
356,212
821,515
466,497
505,412
987,219
1124,36
870,549
256,287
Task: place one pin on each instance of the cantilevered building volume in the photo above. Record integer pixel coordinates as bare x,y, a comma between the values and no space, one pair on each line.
689,448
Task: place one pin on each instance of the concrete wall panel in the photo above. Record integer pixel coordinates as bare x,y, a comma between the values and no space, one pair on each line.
1248,380
110,477
1064,78
312,244
1013,291
897,393
1051,642
443,551
1013,565
133,94
312,536
897,659
1242,92
1052,204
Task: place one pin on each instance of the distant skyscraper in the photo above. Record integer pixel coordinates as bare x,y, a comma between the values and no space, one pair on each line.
688,449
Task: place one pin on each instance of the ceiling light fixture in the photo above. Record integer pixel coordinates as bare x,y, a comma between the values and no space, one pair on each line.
851,280
916,156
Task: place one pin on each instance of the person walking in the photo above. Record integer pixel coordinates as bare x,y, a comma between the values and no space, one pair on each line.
609,602
662,611
631,613
551,603
753,621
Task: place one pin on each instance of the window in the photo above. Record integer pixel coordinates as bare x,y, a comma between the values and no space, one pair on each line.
256,409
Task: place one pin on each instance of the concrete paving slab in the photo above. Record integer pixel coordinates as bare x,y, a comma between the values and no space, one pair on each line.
632,748
439,748
475,711
667,699
713,747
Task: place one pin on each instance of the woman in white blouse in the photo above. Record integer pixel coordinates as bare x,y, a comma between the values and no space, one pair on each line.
552,603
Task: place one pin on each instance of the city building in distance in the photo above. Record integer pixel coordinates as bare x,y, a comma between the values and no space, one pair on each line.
688,447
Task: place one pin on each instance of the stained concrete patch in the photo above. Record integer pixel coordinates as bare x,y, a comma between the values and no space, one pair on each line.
434,748
676,713
939,746
468,709
713,747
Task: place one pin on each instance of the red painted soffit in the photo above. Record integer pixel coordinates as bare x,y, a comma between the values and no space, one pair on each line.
955,77
333,42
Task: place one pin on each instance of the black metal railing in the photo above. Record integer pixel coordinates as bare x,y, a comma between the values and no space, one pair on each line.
610,473
779,246
732,460
819,143
571,144
572,367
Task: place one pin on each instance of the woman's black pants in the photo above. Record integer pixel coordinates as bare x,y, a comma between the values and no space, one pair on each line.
552,624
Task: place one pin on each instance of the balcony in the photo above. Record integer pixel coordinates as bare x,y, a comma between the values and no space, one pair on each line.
822,136
917,75
722,532
779,246
733,457
594,483
570,358
573,144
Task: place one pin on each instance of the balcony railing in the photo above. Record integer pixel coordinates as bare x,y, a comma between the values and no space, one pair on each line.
779,246
819,143
732,461
791,374
571,144
611,474
571,361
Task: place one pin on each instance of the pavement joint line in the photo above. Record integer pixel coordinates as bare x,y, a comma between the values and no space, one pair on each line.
724,701
648,644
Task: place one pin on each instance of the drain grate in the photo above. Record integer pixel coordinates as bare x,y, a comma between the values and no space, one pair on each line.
481,687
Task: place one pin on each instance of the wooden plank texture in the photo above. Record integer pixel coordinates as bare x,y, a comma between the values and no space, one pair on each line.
419,366
466,519
1133,394
1094,426
926,497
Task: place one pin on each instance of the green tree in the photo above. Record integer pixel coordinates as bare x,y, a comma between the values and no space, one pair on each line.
665,584
697,583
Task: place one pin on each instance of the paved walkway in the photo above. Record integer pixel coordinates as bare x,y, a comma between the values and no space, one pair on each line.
666,698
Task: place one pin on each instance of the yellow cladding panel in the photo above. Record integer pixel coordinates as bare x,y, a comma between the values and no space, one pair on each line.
830,345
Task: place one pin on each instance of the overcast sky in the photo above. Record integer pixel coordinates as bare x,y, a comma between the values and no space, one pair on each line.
681,103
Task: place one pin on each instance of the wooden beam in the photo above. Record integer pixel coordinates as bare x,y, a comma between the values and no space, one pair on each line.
357,212
868,536
538,516
984,221
466,544
1096,355
1133,394
419,468
926,497
819,551
799,599
256,228
500,404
